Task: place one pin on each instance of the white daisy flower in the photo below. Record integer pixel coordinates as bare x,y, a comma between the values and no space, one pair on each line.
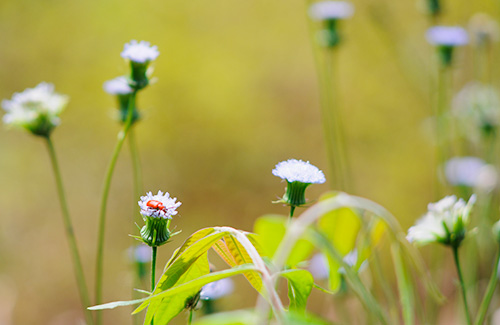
445,222
159,205
294,170
447,36
117,86
36,109
140,52
217,289
325,10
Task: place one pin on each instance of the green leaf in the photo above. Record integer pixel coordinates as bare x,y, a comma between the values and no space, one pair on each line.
238,317
193,284
271,230
165,309
295,318
300,283
189,252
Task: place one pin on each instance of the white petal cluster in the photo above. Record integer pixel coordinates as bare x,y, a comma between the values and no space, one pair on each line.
140,52
117,86
29,106
477,103
447,36
217,289
294,170
324,10
170,205
444,218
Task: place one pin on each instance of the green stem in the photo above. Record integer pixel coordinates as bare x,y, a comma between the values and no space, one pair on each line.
292,210
153,267
190,319
404,285
104,200
442,127
483,309
462,284
70,235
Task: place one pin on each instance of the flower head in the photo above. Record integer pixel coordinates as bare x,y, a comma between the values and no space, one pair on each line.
217,289
484,29
140,52
445,222
35,109
463,170
325,10
159,205
447,36
294,170
299,175
480,104
117,86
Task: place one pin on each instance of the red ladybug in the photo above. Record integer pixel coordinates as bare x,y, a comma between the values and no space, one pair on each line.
155,204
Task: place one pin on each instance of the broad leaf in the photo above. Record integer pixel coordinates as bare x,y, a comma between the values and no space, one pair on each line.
238,317
300,283
271,230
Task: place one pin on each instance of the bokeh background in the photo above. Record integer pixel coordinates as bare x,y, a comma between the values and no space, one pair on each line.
236,92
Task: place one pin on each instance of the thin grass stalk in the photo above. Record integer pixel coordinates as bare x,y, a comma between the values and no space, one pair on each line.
483,309
405,287
442,126
104,200
462,284
70,235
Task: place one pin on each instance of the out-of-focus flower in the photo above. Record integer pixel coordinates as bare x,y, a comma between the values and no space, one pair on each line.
318,265
140,54
329,13
298,175
157,210
120,87
117,86
463,170
217,289
445,222
446,38
483,29
433,7
480,104
140,254
159,205
35,109
325,10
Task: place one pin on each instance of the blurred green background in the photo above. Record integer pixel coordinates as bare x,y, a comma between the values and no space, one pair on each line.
236,93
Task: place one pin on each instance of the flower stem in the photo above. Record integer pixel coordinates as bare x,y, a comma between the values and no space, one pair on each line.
442,126
104,200
483,309
153,267
462,284
190,319
292,210
77,264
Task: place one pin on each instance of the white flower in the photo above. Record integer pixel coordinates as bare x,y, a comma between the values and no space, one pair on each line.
217,289
318,266
117,86
294,170
36,109
447,36
464,170
444,222
159,205
140,52
331,10
477,103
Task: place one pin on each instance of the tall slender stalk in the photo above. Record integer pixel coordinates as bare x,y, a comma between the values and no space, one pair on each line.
442,125
462,284
137,185
483,309
70,235
104,200
154,250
